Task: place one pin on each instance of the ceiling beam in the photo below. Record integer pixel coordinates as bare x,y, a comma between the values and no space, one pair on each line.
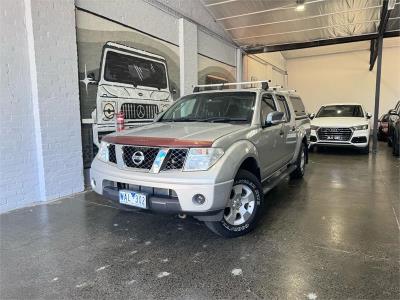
385,14
312,44
319,43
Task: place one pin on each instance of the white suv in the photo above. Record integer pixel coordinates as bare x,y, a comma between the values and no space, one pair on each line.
341,124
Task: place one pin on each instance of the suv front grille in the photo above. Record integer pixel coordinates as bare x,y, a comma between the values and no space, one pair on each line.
334,134
134,111
139,157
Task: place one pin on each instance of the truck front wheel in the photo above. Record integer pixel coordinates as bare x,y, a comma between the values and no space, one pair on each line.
243,209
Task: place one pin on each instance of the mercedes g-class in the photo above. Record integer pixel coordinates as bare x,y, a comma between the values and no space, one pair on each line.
213,155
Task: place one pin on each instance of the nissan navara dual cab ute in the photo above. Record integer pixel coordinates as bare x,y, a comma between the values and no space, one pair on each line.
212,155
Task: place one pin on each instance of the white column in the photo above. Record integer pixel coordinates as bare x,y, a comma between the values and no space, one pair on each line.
239,65
187,56
55,96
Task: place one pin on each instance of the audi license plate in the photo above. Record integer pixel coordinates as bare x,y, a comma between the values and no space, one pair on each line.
132,198
333,137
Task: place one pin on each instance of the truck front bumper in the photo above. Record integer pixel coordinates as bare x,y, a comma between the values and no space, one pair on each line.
168,192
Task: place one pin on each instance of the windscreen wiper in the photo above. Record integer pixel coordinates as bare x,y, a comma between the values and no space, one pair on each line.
225,119
183,120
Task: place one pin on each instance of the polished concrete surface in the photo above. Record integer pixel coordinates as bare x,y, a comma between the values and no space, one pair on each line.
334,234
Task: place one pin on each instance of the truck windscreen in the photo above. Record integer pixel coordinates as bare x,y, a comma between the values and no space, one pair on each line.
134,70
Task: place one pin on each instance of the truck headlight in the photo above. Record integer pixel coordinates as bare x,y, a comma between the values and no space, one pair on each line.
108,110
103,152
313,127
201,159
360,127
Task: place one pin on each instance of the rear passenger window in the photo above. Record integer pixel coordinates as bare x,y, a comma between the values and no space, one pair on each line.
267,106
298,107
283,106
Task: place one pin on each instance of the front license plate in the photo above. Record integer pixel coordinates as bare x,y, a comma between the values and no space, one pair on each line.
133,198
333,137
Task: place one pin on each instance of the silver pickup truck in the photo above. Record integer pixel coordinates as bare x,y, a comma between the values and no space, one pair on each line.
212,155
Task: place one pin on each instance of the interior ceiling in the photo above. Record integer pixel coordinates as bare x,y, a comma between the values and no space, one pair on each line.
255,23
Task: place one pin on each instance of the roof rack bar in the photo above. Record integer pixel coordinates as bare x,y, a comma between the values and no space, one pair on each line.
220,86
232,83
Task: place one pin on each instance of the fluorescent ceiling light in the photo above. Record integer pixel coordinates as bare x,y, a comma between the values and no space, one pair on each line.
300,5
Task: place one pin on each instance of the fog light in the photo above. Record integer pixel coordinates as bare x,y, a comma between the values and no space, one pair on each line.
199,199
93,183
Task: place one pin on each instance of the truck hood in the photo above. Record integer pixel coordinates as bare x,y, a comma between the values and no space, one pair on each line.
139,93
183,134
338,122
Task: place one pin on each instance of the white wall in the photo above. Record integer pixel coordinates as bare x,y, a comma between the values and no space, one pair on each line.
41,154
266,66
18,166
345,77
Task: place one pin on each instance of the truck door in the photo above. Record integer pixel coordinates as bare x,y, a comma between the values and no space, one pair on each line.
288,132
270,141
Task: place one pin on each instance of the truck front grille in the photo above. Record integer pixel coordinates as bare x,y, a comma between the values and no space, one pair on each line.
111,154
334,134
140,157
175,159
134,111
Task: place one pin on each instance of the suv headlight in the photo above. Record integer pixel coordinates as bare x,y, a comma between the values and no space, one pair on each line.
313,127
360,127
103,152
201,159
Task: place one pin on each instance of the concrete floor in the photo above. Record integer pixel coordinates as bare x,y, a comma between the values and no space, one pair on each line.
332,235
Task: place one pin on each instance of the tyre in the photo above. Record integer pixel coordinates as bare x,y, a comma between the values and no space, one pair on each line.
300,163
244,207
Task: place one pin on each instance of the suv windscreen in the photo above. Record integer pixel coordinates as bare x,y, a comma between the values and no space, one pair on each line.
213,107
134,70
341,111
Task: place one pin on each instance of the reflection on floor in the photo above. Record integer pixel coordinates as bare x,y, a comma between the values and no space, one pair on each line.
334,234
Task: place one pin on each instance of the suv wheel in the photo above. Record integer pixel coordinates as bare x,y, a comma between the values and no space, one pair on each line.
300,163
243,208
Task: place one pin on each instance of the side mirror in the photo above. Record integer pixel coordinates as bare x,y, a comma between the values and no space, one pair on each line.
173,91
369,116
393,112
311,116
274,118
